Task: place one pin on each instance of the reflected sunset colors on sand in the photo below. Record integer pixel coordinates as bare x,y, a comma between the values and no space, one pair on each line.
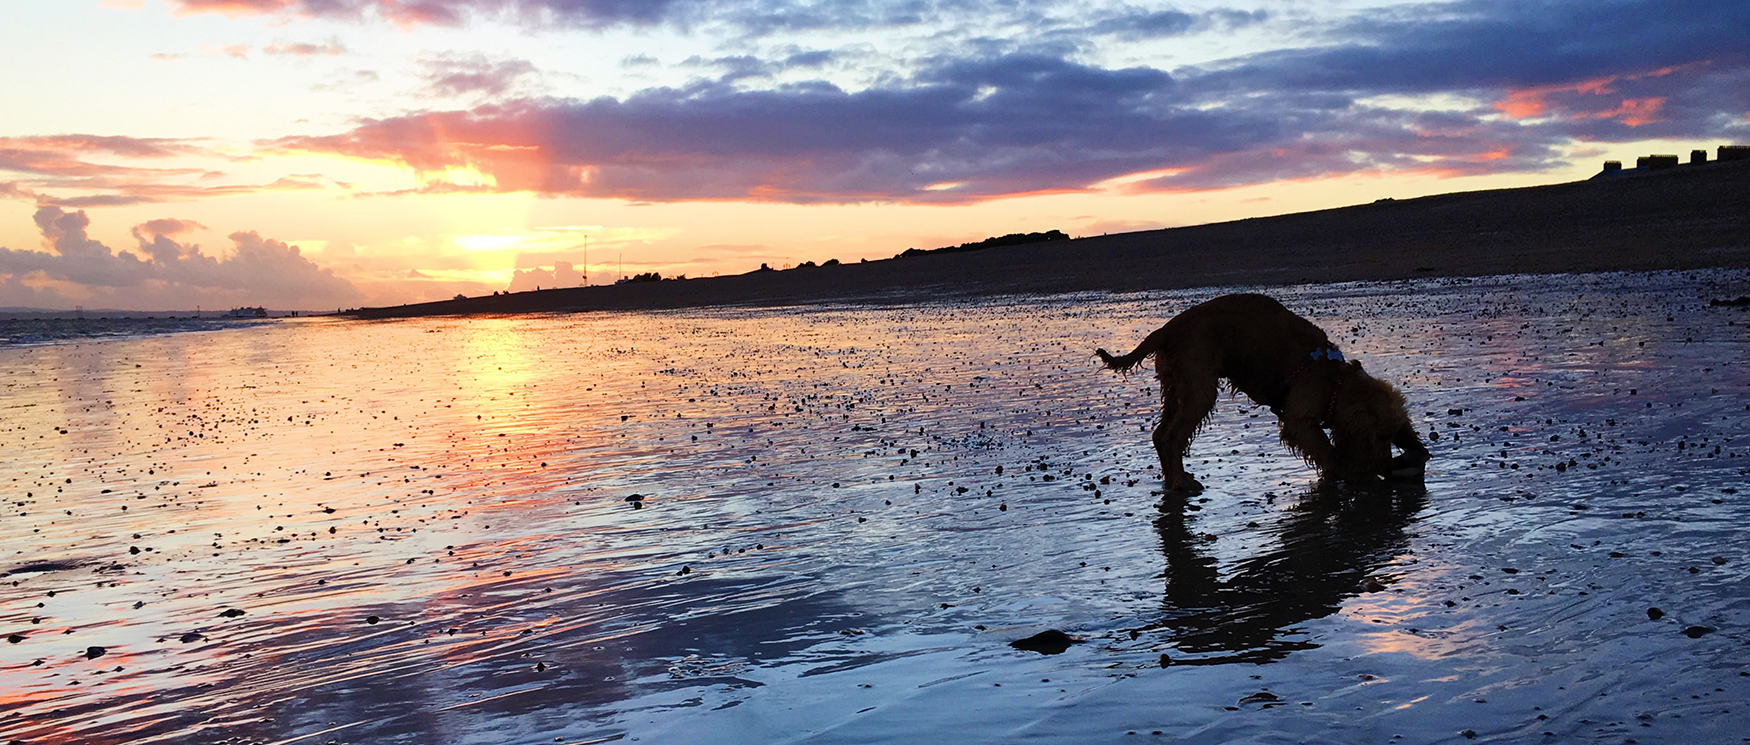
826,523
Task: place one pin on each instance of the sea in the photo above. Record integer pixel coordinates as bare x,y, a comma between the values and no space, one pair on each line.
831,524
36,330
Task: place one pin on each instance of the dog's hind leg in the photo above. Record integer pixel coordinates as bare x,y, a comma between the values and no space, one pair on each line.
1185,403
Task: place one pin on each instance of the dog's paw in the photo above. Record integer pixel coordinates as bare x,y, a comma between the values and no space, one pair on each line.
1185,485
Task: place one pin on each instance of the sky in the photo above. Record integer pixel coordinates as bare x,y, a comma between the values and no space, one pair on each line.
317,154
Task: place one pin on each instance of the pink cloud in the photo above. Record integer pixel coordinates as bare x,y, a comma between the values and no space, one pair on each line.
167,227
1601,98
305,49
63,163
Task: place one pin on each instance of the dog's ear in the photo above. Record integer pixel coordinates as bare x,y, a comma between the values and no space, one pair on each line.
1355,366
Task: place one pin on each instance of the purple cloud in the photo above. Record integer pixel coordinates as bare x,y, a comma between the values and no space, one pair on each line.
988,121
476,75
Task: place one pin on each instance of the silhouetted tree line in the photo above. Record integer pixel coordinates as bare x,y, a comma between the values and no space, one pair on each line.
1012,239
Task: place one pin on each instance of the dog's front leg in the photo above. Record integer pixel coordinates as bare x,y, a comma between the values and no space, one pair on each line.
1303,436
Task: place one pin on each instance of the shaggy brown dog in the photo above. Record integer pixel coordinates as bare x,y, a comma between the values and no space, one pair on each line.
1282,361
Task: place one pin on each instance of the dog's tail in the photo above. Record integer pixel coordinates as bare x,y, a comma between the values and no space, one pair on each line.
1151,345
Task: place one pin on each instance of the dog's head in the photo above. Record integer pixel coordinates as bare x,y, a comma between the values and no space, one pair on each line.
1367,419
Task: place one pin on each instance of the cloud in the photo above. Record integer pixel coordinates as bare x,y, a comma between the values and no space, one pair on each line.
11,190
1523,82
71,156
258,271
448,76
593,13
78,257
1136,23
305,49
752,17
169,227
811,58
85,164
563,274
1002,126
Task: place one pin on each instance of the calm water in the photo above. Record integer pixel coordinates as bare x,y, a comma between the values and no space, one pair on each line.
419,531
38,331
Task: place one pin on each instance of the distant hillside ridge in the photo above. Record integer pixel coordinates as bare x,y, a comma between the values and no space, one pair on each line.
1677,218
1012,239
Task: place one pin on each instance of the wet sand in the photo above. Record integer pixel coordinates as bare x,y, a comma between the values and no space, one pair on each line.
424,531
1686,218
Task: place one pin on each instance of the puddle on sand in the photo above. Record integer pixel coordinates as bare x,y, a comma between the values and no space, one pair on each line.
418,531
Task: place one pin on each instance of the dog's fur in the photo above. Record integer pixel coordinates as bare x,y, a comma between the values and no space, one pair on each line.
1265,351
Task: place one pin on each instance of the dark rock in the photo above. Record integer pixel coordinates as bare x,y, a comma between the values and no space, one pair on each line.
230,613
92,653
1050,641
1697,632
1655,614
43,566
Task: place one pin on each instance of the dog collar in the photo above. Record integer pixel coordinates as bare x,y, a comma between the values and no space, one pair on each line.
1325,351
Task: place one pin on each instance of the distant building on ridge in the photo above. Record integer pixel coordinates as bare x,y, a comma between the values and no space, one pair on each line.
1650,163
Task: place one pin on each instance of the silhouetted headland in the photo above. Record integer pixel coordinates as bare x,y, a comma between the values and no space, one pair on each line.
1663,218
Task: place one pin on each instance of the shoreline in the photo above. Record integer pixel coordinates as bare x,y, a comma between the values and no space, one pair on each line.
1669,220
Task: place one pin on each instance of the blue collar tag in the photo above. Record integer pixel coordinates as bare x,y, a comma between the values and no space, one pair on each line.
1326,353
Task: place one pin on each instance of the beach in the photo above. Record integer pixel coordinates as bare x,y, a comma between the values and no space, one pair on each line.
827,522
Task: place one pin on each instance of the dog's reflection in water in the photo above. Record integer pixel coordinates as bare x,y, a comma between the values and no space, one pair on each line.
1327,551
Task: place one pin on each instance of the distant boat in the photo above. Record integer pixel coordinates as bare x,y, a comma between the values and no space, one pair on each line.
256,312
